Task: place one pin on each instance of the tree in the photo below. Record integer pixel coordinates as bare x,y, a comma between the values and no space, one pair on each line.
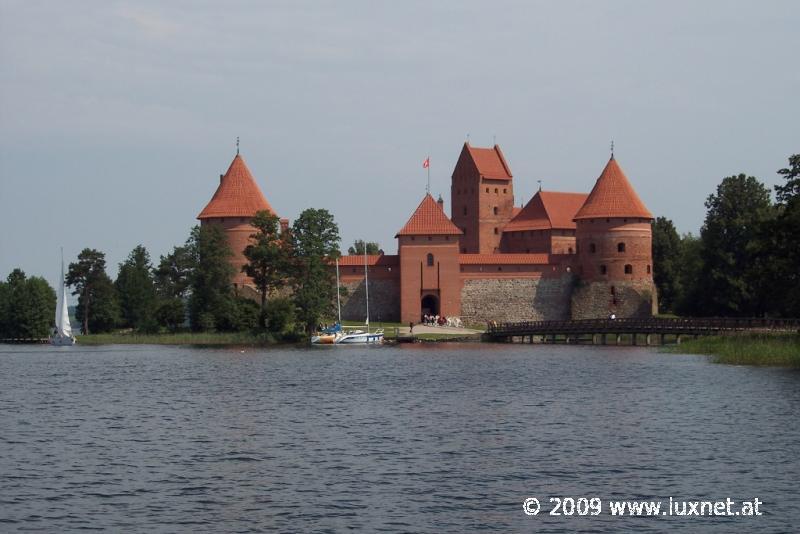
211,303
783,250
315,243
137,295
104,314
172,277
358,248
267,257
86,275
666,263
691,265
27,306
730,279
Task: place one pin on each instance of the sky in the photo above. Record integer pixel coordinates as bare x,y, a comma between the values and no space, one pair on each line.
116,118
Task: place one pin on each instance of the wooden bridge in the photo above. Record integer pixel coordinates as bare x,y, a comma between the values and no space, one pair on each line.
598,331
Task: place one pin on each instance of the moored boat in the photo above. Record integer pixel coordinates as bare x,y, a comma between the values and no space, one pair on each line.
62,331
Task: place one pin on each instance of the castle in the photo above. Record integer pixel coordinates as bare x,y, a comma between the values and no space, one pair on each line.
561,256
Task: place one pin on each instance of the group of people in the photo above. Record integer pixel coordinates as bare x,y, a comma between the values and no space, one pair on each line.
441,320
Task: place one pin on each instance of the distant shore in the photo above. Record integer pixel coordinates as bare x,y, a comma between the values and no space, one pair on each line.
780,350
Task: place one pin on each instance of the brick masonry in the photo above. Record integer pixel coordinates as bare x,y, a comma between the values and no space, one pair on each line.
384,301
516,299
595,300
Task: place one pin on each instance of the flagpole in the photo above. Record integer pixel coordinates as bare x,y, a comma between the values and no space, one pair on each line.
428,188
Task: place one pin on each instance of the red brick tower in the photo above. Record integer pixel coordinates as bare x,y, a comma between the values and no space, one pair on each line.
235,202
615,251
430,281
481,198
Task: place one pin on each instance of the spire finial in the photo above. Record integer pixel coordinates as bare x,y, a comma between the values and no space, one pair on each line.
612,149
467,137
237,145
494,140
540,184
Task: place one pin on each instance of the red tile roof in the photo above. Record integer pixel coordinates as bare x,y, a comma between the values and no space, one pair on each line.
429,219
238,195
613,196
503,259
357,260
547,210
490,162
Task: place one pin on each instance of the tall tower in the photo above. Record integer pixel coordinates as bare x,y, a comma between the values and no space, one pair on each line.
614,251
481,198
430,280
235,202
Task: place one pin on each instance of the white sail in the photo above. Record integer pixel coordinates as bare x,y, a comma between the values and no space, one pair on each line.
64,328
62,334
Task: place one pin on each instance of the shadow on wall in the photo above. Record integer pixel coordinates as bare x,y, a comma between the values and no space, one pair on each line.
384,301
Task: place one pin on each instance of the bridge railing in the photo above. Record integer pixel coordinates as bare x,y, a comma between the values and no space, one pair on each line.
648,325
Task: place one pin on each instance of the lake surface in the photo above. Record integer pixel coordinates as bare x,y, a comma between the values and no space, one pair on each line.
440,438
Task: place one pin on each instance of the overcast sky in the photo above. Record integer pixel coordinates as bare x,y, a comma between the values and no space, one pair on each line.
116,118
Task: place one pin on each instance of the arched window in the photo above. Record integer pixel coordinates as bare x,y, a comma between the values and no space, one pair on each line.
430,260
569,250
495,231
495,190
505,190
603,269
648,269
487,189
613,290
629,269
495,210
592,248
620,247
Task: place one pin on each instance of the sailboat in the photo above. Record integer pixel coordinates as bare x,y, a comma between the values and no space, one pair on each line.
359,337
62,332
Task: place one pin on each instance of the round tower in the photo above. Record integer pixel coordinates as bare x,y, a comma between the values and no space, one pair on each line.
614,258
235,202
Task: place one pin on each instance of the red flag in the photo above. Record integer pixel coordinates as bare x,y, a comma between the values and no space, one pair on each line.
426,163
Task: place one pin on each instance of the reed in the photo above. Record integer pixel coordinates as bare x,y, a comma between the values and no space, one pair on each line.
746,349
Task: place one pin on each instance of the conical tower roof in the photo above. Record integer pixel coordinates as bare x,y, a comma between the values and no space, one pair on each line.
238,194
429,219
613,196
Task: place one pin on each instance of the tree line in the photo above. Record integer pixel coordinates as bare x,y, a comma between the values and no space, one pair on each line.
746,259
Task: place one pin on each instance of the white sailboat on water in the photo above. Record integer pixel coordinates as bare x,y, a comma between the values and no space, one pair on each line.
359,337
62,332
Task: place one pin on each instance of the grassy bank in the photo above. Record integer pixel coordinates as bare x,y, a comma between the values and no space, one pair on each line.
746,349
182,338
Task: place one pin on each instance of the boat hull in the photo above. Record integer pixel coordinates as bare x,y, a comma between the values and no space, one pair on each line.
62,341
361,339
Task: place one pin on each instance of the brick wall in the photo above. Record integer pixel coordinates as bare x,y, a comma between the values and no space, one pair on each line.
516,299
630,298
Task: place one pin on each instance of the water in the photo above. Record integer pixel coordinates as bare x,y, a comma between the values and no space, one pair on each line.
446,438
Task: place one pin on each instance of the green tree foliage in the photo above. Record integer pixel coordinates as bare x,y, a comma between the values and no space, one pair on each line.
281,316
315,241
87,275
666,263
782,250
730,279
137,295
267,256
691,265
104,315
27,306
173,275
211,304
171,313
358,248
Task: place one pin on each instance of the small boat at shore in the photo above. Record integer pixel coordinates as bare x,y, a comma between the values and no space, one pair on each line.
62,331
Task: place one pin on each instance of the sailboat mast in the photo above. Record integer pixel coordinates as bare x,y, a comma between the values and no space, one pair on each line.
338,299
60,295
366,281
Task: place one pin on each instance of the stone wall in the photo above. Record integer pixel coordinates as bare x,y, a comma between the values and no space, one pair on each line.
515,299
630,298
384,301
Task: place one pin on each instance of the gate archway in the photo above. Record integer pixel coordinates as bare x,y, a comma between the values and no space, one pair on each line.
430,305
